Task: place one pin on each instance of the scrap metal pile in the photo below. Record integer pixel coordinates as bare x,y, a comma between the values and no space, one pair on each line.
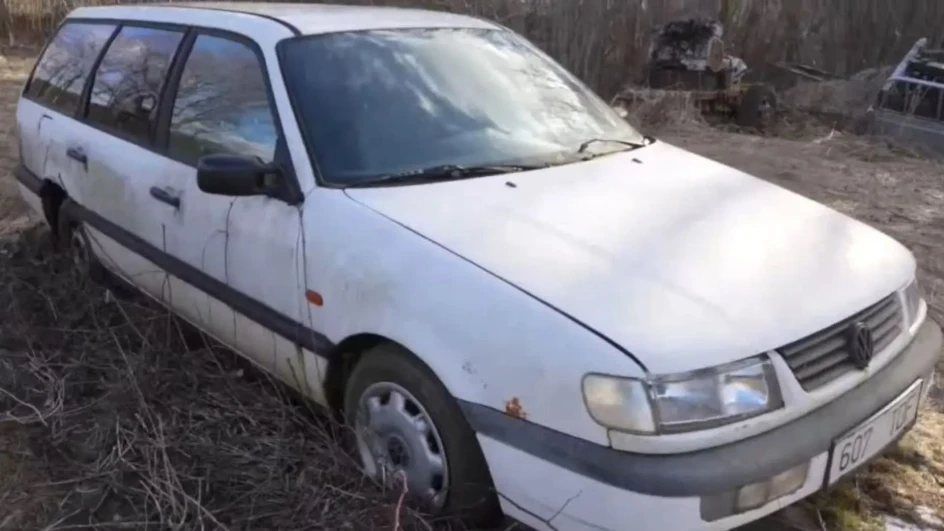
910,105
693,48
690,56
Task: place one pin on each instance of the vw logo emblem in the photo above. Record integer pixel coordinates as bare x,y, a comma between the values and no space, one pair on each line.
861,344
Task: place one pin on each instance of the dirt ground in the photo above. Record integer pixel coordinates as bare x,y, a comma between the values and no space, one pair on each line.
888,188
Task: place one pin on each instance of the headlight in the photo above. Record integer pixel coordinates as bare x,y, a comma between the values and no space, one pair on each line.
685,402
913,297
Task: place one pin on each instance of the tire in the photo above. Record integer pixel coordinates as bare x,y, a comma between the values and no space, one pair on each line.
467,491
758,108
72,238
51,206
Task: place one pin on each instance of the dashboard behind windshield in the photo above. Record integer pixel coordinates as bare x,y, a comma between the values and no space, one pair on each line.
375,103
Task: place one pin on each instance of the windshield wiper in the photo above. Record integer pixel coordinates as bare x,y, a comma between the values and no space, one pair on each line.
445,172
583,147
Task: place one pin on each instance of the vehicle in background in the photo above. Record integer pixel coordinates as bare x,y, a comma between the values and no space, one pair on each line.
690,56
909,107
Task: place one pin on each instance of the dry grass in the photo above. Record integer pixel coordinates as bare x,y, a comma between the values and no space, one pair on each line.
906,483
912,476
115,414
663,109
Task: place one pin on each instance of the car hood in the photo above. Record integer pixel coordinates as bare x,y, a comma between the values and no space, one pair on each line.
684,262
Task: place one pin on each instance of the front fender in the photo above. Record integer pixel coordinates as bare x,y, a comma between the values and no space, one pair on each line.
487,341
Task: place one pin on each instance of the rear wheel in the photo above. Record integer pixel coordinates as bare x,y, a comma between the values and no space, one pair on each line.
408,427
73,239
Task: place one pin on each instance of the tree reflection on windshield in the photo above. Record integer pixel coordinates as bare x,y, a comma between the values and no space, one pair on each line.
393,101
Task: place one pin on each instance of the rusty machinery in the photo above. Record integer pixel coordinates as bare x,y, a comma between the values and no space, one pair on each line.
690,56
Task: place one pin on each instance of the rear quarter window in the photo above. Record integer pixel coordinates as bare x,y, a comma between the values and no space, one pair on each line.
66,64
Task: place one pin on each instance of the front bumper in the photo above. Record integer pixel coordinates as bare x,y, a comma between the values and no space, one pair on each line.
542,473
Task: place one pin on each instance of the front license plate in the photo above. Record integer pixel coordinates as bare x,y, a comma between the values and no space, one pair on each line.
872,436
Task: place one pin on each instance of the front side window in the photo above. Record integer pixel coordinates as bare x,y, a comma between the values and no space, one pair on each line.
376,103
66,64
222,104
128,82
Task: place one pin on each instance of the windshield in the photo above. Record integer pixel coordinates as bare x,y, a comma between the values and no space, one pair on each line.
377,103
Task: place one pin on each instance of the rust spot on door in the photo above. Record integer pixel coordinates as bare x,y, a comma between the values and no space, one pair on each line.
513,409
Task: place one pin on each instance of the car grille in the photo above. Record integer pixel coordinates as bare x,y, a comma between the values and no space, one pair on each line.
824,356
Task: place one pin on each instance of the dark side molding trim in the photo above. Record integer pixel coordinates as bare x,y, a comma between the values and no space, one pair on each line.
254,310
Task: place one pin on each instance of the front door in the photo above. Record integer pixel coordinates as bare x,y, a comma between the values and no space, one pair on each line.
247,285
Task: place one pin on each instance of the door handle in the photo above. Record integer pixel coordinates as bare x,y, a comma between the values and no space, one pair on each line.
78,155
166,195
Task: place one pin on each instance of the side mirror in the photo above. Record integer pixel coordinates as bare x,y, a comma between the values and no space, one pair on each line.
237,175
621,111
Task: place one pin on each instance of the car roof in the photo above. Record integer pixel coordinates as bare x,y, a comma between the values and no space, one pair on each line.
305,19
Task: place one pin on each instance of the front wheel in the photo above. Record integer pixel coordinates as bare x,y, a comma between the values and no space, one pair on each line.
408,426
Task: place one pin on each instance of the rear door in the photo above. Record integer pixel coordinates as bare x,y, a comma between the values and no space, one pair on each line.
114,156
46,114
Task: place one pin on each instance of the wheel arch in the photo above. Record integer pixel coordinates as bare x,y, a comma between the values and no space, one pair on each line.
52,196
346,355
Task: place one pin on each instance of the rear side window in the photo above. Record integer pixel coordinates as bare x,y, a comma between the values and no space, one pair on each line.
222,104
66,64
128,82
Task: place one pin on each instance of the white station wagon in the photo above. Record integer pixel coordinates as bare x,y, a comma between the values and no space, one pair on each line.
520,303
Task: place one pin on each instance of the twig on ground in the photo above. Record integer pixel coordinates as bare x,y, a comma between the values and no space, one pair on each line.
404,488
37,416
